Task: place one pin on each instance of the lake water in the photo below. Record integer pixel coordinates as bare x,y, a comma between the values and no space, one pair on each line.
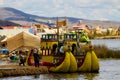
109,70
110,43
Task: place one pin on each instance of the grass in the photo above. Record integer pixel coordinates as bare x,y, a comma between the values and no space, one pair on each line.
103,52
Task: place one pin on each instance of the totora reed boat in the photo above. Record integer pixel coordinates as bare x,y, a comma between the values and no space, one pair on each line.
77,56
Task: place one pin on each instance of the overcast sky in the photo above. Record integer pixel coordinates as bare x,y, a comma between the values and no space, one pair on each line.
86,9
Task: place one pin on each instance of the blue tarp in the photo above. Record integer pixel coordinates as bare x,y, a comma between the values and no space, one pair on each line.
4,51
31,30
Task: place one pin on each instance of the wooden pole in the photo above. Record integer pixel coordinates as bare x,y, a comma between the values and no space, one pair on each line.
57,33
57,29
66,25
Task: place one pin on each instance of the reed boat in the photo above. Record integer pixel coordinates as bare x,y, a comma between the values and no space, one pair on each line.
76,57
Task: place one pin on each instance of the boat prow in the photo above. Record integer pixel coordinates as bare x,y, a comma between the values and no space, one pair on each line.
64,66
90,64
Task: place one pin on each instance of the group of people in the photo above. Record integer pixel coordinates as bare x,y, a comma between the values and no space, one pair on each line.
69,47
35,55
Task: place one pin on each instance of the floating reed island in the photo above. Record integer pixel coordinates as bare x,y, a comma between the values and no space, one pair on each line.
15,70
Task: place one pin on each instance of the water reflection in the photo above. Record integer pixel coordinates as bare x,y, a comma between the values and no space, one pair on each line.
59,76
90,76
67,76
36,76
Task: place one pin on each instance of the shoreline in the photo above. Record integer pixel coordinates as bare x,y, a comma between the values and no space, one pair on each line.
108,37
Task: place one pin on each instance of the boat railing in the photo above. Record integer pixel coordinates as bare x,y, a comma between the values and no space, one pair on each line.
48,52
57,56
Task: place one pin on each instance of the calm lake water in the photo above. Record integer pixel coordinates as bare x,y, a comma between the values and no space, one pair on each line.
110,43
109,68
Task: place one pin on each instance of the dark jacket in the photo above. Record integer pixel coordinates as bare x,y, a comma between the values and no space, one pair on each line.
36,56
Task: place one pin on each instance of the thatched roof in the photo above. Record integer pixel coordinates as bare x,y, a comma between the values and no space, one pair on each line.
23,39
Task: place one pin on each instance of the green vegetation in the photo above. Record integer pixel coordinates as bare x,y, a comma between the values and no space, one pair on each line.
103,52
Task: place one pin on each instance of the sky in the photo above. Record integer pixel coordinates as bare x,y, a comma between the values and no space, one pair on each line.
86,9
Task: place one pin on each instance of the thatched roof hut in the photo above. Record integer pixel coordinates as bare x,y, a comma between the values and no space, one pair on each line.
23,39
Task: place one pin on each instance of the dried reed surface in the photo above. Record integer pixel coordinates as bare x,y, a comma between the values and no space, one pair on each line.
15,70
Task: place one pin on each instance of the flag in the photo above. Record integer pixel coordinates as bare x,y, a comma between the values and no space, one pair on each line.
61,23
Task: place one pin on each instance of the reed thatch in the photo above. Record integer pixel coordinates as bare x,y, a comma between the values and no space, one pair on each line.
14,70
23,39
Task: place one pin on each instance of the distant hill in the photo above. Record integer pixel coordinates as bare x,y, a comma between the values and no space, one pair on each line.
8,23
19,17
14,14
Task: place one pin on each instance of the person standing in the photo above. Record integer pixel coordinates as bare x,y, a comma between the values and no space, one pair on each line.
22,59
61,50
36,57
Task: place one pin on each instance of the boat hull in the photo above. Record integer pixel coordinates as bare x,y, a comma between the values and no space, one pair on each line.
69,63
